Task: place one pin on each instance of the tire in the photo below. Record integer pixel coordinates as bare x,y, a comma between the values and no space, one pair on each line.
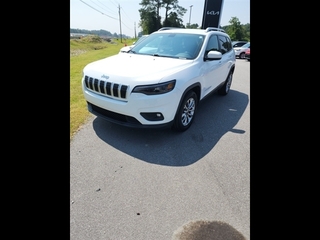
241,56
227,84
186,112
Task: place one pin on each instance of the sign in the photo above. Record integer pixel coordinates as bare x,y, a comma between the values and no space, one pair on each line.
212,13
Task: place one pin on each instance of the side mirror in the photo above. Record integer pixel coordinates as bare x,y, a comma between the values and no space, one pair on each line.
213,55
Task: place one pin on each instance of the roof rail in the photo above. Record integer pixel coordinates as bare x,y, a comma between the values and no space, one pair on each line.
208,29
168,28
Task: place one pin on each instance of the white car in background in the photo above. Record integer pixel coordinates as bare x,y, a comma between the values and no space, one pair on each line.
128,48
241,51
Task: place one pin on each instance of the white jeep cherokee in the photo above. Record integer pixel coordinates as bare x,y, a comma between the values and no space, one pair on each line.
160,81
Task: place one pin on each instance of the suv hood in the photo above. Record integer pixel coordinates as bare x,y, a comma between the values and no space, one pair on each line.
128,67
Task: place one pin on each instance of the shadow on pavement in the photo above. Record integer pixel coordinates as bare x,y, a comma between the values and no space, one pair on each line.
216,116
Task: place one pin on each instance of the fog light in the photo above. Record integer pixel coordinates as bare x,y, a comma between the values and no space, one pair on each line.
153,116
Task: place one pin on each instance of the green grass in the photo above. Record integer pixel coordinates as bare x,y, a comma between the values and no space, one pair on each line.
82,52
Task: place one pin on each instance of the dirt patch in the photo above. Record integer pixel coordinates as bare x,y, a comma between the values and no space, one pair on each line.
76,52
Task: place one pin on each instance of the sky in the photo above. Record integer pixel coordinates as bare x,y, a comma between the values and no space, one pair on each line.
104,14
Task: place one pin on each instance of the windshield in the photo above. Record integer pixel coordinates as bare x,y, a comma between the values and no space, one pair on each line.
247,45
140,39
174,45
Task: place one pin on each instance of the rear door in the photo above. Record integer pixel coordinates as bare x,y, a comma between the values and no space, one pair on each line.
215,72
228,56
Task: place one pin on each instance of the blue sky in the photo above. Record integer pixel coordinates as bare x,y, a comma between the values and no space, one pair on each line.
104,14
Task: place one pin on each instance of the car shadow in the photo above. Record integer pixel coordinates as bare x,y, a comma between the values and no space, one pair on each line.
216,116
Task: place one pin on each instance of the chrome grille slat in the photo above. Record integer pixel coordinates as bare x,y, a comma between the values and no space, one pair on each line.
115,90
123,91
95,85
109,89
101,86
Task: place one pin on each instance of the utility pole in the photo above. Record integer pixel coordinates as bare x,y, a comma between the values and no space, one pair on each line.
190,14
135,32
120,25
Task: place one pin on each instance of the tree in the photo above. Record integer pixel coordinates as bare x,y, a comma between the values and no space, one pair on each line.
150,19
173,18
235,30
149,22
194,25
246,28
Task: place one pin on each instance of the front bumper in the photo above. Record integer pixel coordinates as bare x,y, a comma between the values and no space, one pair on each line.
121,119
139,110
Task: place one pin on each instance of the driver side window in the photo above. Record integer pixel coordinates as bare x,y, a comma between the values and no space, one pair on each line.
212,44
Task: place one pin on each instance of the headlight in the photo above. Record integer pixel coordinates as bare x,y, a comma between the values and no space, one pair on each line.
155,88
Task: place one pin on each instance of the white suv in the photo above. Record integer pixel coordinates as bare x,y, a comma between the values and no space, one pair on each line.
160,81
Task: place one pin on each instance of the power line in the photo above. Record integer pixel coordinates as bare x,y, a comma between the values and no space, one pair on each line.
106,7
118,6
121,22
116,3
98,10
127,15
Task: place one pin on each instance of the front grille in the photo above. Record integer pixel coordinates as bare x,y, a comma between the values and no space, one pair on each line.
110,89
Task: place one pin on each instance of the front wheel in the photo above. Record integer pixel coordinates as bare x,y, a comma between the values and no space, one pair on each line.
242,55
227,85
186,112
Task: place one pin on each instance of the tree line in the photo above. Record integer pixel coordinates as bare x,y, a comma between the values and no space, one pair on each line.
150,19
100,33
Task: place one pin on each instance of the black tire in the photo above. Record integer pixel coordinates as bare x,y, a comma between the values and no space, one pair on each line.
227,84
241,56
186,112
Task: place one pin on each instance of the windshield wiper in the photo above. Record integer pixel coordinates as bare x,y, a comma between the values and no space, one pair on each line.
157,55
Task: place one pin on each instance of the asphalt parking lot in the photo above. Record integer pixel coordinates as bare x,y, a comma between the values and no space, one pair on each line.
137,184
